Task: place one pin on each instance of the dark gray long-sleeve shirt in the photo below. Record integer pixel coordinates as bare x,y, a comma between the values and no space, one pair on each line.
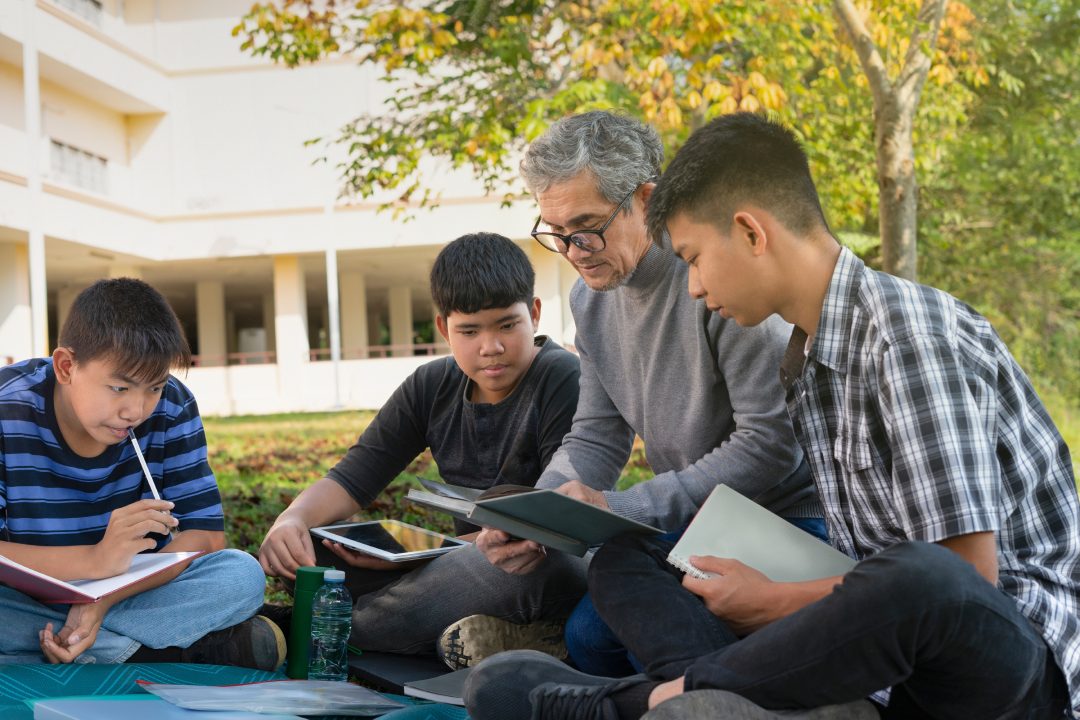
475,445
701,391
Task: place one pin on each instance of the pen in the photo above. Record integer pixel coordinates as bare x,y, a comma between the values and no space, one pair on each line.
146,472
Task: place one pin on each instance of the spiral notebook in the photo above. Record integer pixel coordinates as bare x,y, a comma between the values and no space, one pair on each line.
729,525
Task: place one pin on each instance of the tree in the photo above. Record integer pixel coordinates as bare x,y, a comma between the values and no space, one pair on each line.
474,81
895,103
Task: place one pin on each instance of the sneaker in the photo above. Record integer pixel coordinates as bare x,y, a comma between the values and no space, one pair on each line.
471,639
255,643
528,684
723,704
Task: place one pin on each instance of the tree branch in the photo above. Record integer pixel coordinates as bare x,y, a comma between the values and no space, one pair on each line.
916,62
869,55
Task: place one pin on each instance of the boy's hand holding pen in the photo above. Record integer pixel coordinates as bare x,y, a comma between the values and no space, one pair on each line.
149,477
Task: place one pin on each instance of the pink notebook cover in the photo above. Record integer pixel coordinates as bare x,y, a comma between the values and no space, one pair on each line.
50,590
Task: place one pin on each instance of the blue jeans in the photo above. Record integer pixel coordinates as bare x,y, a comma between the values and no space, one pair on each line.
216,591
595,649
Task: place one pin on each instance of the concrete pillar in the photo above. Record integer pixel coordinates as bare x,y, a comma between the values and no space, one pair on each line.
268,320
549,288
231,336
290,327
122,270
401,320
38,290
210,322
374,324
16,318
354,315
65,296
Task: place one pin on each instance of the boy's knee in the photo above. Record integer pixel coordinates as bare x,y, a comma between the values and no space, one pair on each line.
243,576
922,571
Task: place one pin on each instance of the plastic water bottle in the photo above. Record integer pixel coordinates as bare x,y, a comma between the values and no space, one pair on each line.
331,624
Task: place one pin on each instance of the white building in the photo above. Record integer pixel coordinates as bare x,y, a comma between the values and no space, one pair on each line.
137,140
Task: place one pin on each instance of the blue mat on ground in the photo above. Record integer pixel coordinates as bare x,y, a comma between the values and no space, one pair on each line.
19,683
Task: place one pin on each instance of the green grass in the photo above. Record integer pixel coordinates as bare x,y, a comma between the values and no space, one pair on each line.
263,462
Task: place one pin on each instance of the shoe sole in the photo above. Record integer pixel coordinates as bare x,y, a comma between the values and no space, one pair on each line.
280,646
471,639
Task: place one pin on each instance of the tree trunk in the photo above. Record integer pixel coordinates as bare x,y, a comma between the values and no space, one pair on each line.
895,103
898,198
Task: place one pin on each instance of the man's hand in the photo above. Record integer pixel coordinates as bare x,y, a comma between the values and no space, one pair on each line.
737,593
126,533
286,547
78,634
584,493
512,556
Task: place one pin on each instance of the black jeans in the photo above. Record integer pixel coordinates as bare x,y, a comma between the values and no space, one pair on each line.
915,617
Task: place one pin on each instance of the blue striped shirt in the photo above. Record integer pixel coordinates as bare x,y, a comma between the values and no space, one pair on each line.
919,425
51,496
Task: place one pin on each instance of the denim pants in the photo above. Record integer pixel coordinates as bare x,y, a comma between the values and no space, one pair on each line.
405,611
915,617
214,592
594,648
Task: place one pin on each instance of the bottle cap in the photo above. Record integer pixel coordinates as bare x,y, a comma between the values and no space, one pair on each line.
334,576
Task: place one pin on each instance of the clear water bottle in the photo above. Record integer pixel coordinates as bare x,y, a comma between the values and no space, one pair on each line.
331,623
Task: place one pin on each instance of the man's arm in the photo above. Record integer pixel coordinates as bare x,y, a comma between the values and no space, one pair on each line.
599,442
761,451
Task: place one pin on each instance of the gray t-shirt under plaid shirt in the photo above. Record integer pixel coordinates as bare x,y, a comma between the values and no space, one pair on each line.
919,425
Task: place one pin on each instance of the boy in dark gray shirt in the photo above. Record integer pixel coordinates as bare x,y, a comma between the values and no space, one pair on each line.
492,413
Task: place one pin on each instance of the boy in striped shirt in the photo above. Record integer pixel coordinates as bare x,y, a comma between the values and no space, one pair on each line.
75,504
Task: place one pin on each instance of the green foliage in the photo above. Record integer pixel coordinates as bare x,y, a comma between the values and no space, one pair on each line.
1001,228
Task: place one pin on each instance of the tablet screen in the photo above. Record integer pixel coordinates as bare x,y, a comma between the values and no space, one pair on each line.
393,537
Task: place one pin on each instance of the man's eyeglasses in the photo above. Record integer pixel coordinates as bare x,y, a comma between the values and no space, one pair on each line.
587,240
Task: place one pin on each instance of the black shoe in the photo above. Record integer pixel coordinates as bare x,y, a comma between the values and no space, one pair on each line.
255,643
281,615
529,684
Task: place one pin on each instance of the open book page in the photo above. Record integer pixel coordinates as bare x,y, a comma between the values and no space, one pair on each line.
50,590
730,525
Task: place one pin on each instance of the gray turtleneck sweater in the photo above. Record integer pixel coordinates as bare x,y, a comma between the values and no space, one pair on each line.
702,392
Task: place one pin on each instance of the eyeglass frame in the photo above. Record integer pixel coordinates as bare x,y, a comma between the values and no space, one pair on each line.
568,240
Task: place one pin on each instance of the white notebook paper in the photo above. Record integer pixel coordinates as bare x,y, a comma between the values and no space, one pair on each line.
729,525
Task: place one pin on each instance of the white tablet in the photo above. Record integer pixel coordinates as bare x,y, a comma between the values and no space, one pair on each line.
390,540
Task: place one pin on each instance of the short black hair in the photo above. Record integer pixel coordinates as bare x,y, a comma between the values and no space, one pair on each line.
481,271
737,158
130,323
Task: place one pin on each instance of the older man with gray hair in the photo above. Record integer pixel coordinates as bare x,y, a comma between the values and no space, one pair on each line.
700,391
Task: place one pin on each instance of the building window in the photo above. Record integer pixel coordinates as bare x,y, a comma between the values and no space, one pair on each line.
89,10
78,167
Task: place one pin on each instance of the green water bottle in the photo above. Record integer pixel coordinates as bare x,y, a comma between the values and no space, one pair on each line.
308,581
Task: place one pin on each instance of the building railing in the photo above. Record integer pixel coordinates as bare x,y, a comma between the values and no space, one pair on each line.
381,351
267,357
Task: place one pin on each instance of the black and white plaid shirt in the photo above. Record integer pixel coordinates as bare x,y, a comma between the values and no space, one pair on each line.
919,425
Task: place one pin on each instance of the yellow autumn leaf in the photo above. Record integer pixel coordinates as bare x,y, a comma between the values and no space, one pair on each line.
749,103
712,91
729,105
657,67
693,100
